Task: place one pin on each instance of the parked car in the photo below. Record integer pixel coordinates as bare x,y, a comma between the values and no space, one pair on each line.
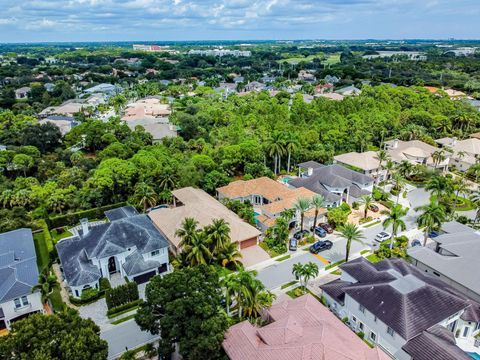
326,227
416,242
292,244
383,236
320,246
433,234
300,234
319,231
374,208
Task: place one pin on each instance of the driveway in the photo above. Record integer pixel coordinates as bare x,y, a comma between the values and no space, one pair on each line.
125,336
253,255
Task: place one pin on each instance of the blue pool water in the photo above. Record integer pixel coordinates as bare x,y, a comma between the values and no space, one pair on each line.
474,355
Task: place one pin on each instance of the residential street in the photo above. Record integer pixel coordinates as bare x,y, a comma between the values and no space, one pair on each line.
280,273
125,336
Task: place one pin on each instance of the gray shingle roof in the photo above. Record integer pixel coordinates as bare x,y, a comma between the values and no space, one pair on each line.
135,264
121,212
401,296
18,264
435,343
310,164
103,241
334,176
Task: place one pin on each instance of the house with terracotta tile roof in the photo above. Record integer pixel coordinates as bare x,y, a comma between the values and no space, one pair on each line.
298,329
269,199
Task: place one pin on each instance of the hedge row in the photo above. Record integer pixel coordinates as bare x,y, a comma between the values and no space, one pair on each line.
74,218
80,302
121,295
119,310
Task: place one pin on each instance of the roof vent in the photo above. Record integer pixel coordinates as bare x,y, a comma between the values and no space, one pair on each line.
84,224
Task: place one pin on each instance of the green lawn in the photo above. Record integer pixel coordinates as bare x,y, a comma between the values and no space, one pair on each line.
59,236
298,291
56,300
126,318
373,223
284,286
41,250
464,204
373,258
334,264
283,258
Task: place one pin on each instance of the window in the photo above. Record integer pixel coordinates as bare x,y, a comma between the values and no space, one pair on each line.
373,336
390,331
361,326
17,303
24,300
465,331
374,319
155,253
354,319
362,309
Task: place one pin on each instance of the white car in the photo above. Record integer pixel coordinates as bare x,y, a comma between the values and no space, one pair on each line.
383,236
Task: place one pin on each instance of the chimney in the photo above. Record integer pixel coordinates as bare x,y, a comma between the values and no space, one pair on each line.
395,144
310,171
454,141
84,223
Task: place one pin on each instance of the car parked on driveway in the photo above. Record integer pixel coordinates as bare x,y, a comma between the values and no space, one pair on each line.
319,231
374,208
383,236
326,227
300,234
416,242
292,244
320,246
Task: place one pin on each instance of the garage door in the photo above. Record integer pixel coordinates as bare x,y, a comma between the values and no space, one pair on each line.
140,279
248,243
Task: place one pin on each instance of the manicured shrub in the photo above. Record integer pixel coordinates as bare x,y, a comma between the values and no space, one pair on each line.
355,205
122,308
89,294
345,207
74,218
105,284
121,294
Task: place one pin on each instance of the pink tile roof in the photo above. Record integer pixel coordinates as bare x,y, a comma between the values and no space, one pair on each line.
301,329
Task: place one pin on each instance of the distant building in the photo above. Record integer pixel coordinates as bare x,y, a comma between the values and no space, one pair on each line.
107,89
415,152
64,123
221,52
349,91
22,93
464,153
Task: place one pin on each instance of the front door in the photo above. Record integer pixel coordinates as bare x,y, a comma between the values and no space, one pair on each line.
112,265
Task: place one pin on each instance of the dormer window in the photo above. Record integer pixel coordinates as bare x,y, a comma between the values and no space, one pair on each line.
155,253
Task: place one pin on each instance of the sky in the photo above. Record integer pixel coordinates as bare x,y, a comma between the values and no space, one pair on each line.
150,20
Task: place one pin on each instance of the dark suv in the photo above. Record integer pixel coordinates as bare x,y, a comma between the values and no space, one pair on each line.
300,234
292,244
320,246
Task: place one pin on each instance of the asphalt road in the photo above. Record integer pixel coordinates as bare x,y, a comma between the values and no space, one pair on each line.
125,336
280,273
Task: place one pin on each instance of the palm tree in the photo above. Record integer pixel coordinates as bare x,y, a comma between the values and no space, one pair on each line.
218,234
302,205
47,282
437,157
229,255
433,215
276,148
317,202
397,212
460,187
381,156
439,186
399,182
405,169
292,145
304,272
350,232
389,166
231,288
367,201
145,196
187,232
198,252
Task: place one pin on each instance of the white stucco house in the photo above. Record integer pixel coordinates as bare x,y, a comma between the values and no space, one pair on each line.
336,183
409,314
18,276
129,244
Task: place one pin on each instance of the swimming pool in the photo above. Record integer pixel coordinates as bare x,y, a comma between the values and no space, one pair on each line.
473,355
